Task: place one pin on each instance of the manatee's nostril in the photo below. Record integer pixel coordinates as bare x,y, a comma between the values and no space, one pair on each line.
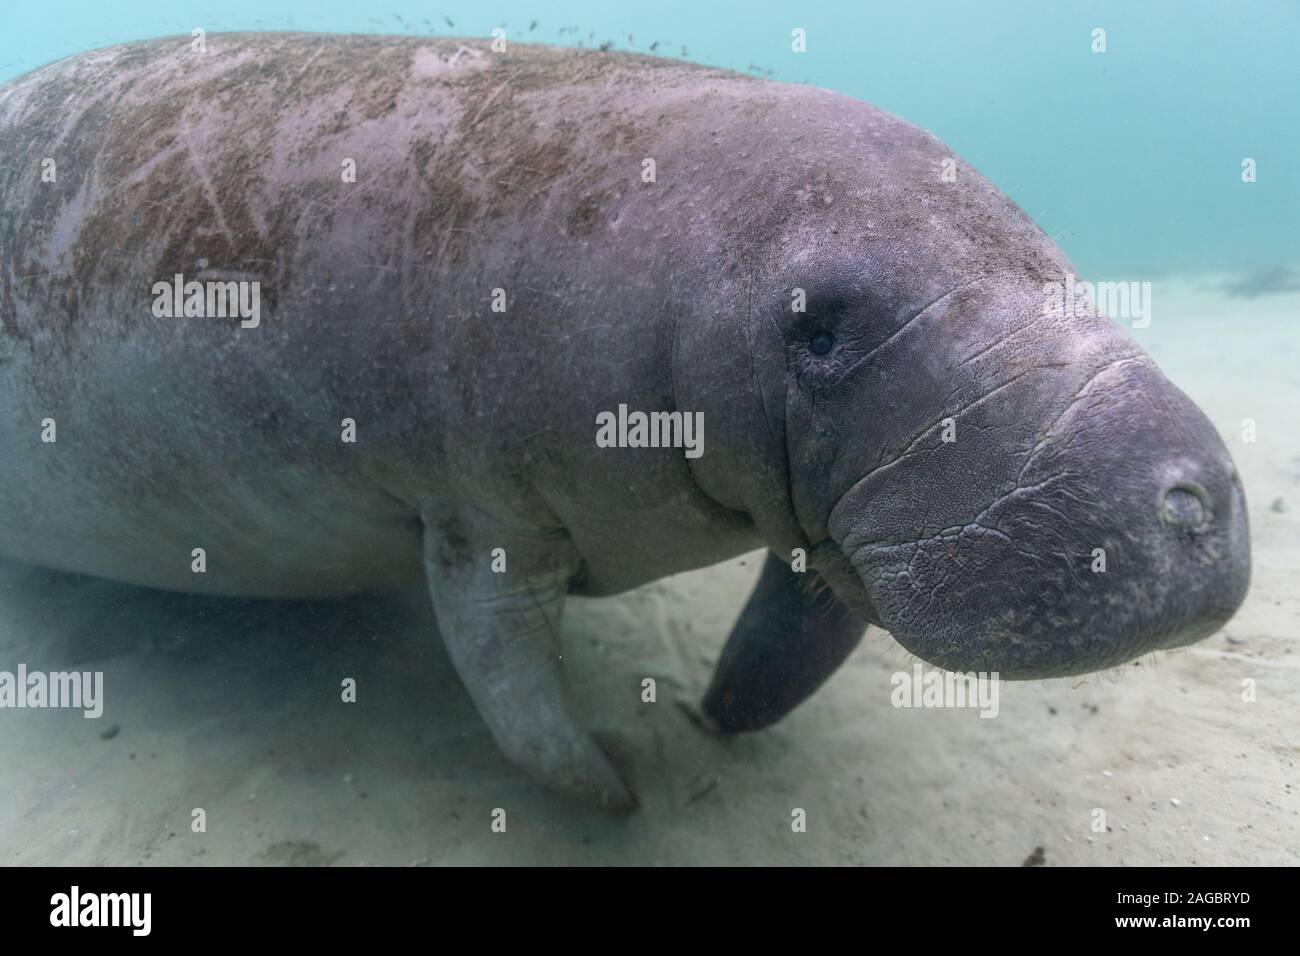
1184,506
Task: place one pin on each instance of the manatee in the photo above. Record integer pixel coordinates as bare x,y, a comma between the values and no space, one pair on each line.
461,260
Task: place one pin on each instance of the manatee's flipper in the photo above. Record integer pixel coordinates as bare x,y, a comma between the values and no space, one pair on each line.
791,636
502,632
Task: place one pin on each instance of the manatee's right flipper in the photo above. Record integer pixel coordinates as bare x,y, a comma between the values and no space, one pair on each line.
792,635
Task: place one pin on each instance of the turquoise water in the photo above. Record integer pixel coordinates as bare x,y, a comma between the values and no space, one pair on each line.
1131,158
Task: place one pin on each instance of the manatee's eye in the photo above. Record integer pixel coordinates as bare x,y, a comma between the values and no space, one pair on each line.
821,343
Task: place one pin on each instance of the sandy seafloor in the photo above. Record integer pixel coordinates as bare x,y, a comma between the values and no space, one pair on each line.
233,706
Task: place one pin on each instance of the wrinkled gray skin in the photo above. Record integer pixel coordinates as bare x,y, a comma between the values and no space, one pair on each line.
522,171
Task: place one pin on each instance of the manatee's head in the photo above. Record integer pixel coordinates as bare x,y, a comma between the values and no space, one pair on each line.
996,474
1063,512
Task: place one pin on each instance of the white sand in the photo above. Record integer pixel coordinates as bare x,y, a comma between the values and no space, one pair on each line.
233,707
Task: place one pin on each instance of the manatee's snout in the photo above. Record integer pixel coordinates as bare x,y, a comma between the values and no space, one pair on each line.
1119,528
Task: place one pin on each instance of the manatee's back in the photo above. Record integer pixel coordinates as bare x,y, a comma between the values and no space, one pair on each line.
234,156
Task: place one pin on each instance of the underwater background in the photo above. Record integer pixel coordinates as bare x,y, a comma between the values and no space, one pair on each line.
1131,159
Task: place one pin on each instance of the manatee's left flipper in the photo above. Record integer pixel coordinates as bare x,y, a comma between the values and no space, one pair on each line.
793,634
502,630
